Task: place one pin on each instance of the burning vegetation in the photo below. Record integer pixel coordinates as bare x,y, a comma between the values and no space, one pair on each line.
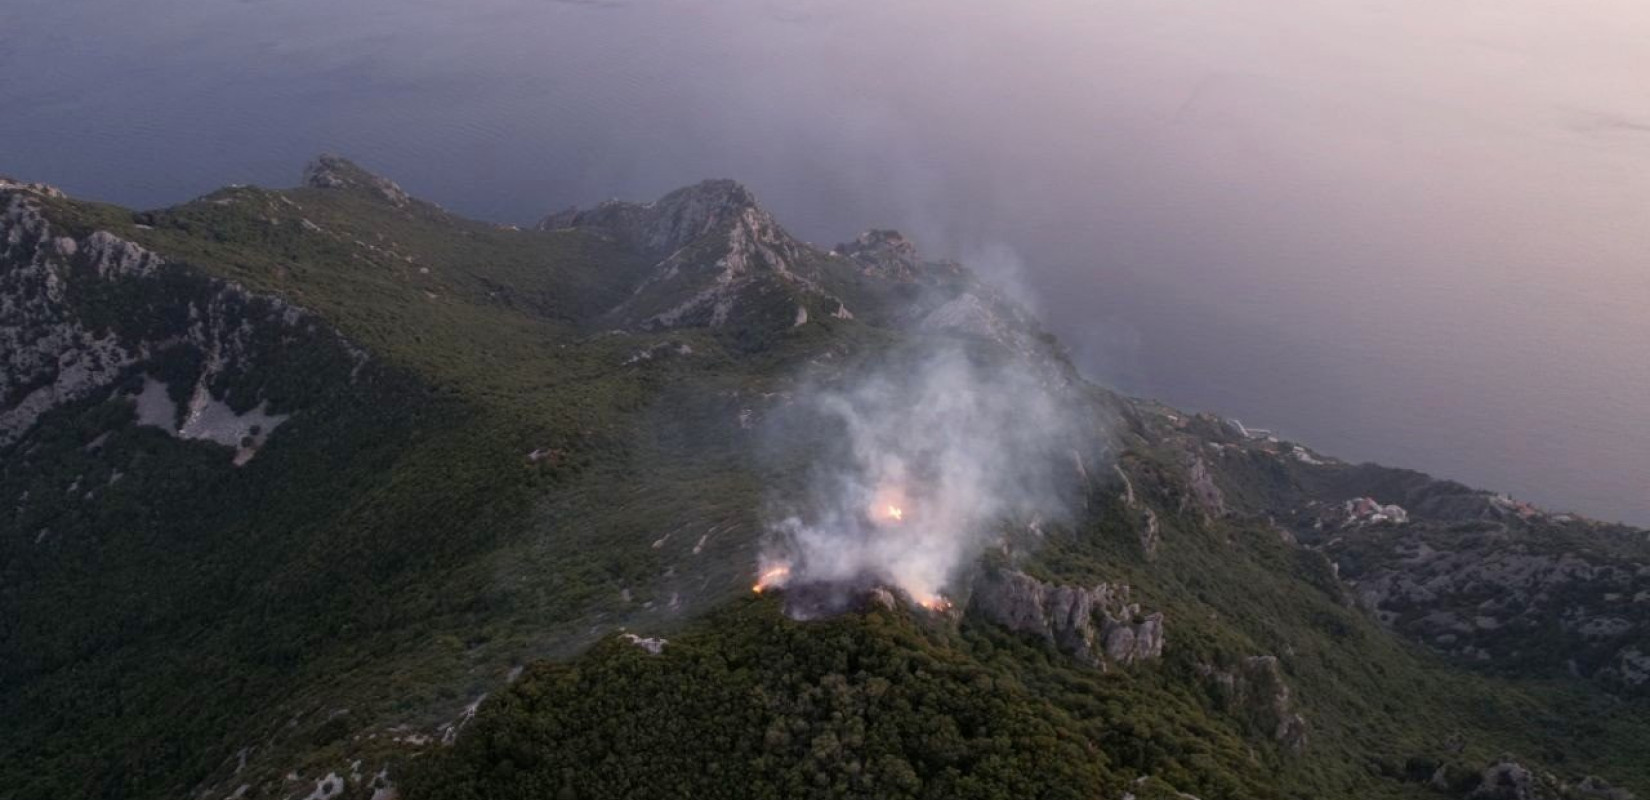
887,511
929,458
771,578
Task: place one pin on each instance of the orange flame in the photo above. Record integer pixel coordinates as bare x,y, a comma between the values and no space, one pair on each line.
887,505
770,578
934,602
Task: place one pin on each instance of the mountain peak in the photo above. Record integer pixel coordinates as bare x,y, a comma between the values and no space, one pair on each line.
717,192
666,224
329,171
883,252
719,257
881,240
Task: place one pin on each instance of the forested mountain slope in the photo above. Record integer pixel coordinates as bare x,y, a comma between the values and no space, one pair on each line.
328,492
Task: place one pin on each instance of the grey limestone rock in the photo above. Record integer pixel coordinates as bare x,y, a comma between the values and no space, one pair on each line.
1097,626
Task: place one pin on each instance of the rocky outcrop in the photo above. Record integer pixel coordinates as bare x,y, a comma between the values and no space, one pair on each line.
1150,533
1255,690
883,254
1596,788
1097,626
41,189
1204,495
1509,780
334,172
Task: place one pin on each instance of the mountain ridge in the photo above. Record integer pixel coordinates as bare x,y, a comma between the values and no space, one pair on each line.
534,460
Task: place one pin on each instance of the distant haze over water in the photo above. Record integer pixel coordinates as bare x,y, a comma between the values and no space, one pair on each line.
1404,231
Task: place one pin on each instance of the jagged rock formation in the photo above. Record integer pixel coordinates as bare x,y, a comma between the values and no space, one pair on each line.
1065,616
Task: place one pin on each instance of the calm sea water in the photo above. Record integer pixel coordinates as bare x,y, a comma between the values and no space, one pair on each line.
1394,231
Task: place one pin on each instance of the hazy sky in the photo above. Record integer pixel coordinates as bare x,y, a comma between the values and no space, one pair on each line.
1413,231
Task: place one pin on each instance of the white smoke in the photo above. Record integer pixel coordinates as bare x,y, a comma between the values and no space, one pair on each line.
936,456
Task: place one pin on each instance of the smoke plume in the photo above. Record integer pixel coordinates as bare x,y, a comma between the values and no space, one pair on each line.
928,460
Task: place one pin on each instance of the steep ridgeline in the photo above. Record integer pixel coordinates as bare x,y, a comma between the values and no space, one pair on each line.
327,492
719,260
